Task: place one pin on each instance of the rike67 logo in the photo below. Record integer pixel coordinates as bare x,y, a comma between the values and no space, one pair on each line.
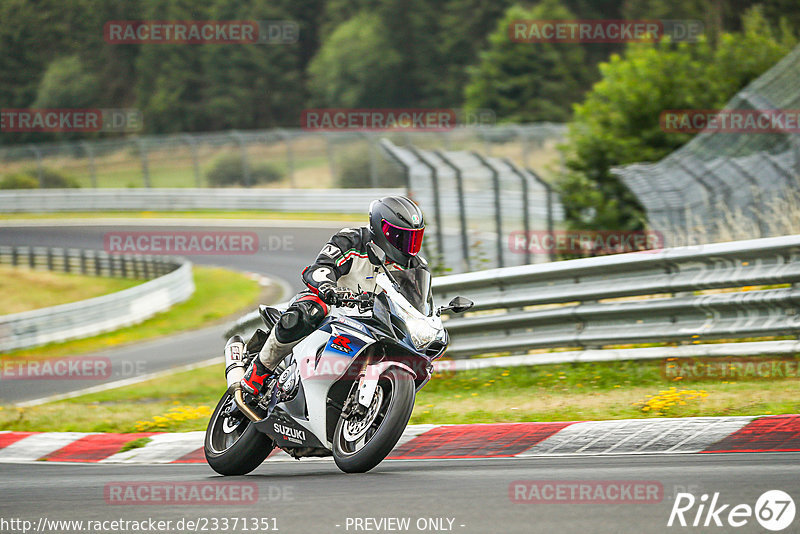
774,510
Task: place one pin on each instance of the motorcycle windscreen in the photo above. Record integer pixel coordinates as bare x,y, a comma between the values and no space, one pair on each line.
415,285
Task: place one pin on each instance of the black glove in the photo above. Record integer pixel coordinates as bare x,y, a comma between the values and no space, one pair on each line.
327,292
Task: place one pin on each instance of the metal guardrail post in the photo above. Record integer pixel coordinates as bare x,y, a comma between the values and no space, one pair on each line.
192,142
331,158
92,170
145,164
436,201
523,143
787,177
526,218
755,195
248,179
462,208
287,138
39,167
498,214
550,195
384,144
373,163
699,180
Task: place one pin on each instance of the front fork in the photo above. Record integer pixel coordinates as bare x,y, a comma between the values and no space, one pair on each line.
368,382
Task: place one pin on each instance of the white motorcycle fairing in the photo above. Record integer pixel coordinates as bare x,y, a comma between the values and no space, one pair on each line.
319,361
333,354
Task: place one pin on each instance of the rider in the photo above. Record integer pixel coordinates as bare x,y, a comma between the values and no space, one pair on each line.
395,225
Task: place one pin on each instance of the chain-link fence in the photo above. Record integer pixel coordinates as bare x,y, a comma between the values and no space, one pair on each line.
726,185
480,210
276,158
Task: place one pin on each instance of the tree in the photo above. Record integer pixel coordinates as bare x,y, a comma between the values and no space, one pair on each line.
525,82
618,123
466,25
66,84
170,78
356,66
252,86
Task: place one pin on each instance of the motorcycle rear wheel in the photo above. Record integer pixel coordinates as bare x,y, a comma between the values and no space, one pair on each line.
356,451
232,445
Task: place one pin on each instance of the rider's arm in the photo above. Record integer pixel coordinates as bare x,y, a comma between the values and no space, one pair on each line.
334,260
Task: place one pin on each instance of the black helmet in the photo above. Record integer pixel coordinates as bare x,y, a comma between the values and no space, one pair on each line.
396,225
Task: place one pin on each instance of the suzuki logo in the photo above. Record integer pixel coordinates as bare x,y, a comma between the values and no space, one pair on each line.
289,432
341,343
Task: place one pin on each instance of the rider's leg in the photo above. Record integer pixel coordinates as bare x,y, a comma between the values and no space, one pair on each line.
302,317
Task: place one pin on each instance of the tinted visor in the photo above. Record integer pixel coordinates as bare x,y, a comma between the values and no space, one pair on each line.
406,240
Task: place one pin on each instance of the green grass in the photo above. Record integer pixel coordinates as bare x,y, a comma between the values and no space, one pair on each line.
120,410
134,444
590,391
199,214
218,294
583,391
23,289
170,170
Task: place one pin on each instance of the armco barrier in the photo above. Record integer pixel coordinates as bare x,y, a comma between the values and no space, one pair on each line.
577,303
173,284
87,262
582,311
180,199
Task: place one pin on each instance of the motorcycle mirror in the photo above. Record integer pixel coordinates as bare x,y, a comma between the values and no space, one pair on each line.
375,254
460,304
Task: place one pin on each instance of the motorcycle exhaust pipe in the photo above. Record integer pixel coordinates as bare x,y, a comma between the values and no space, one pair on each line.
239,400
234,366
234,372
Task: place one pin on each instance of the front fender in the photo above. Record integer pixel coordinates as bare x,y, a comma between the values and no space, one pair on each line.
372,373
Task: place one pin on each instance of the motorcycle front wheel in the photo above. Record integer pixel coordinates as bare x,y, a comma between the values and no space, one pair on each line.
362,442
232,445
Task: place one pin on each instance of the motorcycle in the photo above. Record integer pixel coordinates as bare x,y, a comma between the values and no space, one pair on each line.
347,390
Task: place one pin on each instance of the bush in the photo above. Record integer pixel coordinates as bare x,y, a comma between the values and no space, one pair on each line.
353,171
228,170
29,179
618,122
55,180
19,180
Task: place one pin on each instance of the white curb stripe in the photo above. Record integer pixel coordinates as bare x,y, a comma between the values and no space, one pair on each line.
163,448
38,445
638,436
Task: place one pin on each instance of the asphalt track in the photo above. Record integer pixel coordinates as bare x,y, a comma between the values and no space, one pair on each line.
285,248
313,496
